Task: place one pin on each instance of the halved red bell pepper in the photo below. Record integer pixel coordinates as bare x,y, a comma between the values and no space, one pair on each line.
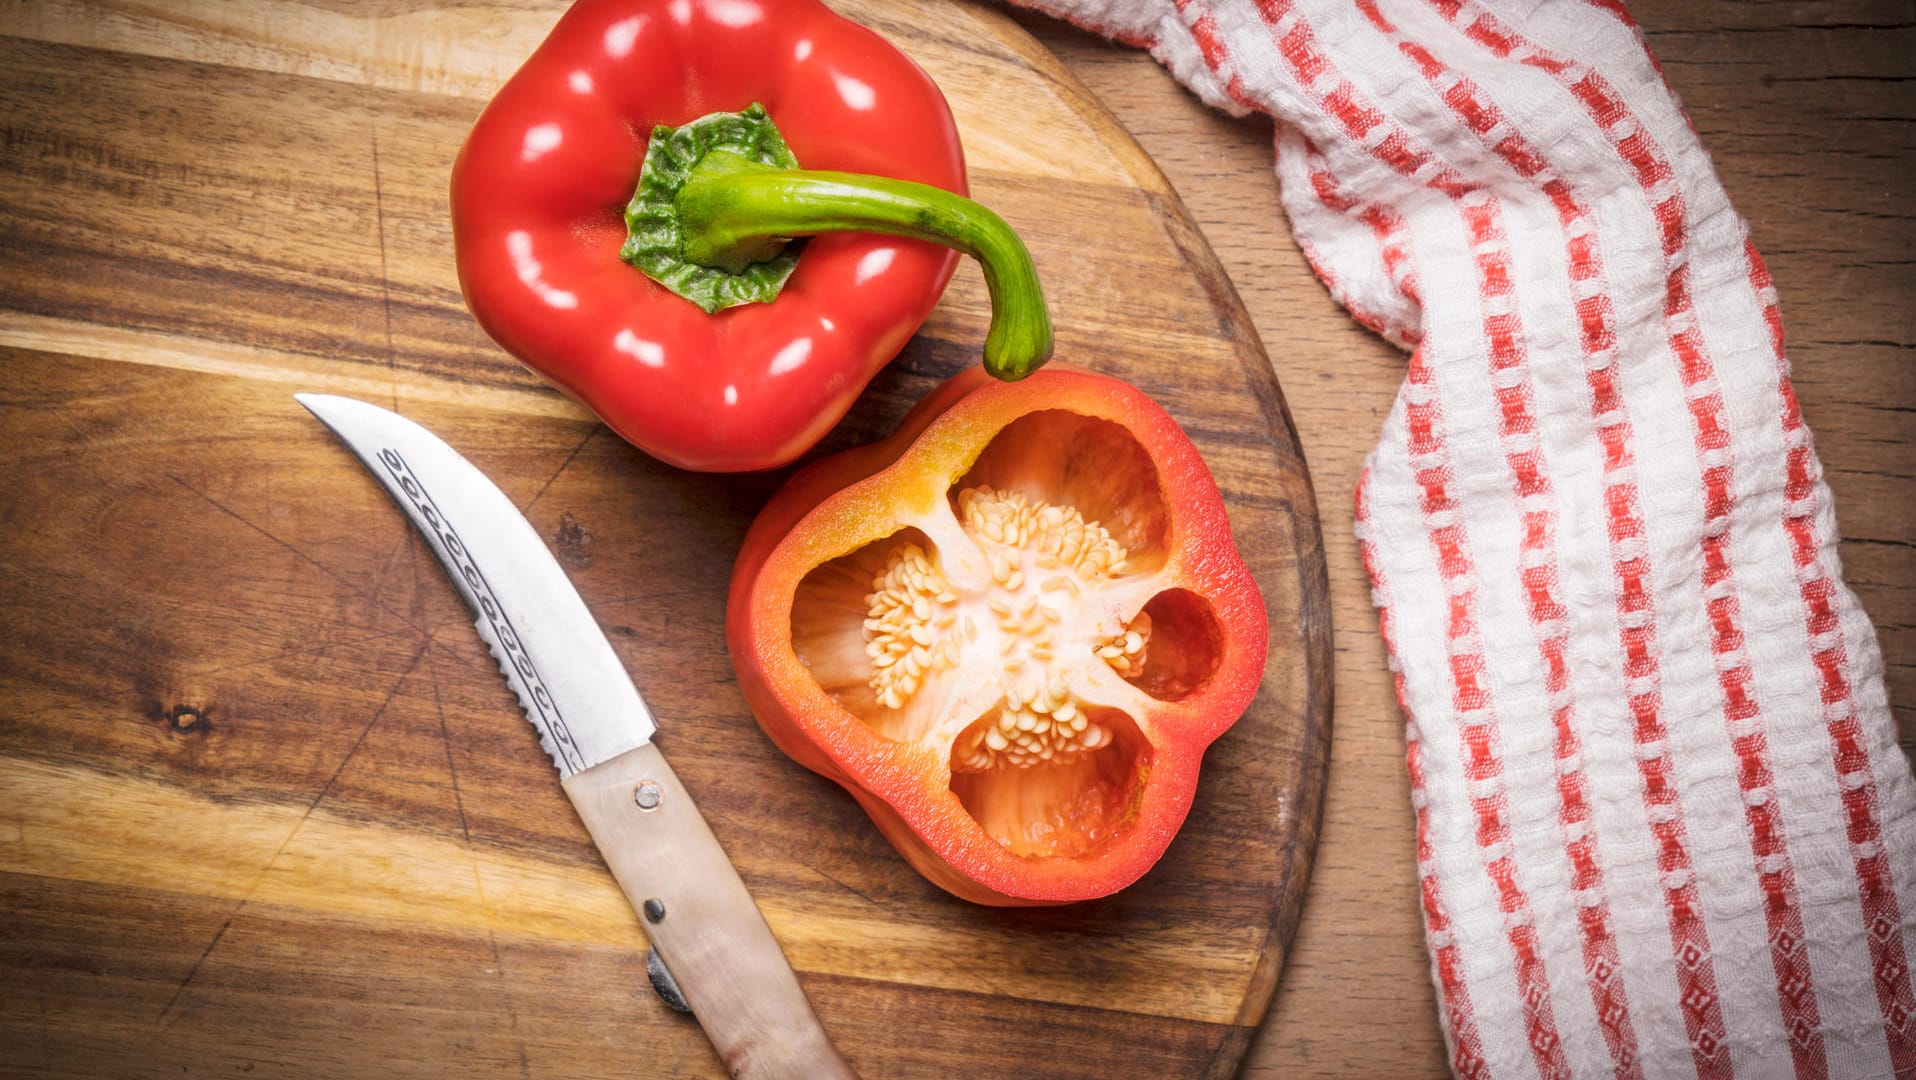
1010,631
621,212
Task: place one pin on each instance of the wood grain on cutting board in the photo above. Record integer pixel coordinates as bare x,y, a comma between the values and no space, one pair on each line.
269,808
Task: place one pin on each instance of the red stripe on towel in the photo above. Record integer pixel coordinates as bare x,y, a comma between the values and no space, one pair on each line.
1882,914
1467,1053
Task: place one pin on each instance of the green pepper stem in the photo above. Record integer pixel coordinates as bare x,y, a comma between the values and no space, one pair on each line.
734,211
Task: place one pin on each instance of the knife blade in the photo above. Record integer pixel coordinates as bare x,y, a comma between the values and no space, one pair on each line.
704,927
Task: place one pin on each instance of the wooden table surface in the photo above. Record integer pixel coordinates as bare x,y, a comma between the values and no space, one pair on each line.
1805,106
1807,109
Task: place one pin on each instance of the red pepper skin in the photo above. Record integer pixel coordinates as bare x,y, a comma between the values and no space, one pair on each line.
540,185
838,504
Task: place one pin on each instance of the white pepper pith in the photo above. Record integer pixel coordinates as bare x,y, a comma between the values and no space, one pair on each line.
1042,556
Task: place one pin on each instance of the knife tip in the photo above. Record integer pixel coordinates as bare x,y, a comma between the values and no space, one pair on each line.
324,406
328,409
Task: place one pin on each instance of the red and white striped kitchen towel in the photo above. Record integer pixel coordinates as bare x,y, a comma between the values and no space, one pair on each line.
1663,824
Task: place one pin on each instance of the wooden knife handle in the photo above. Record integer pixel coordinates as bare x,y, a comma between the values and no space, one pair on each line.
701,919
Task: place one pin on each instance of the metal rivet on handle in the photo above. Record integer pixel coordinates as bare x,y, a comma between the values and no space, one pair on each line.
648,795
654,909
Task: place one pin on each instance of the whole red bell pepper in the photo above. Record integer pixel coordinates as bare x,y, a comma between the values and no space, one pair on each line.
1010,631
623,210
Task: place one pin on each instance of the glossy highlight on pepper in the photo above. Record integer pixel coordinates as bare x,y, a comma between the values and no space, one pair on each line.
540,190
1010,631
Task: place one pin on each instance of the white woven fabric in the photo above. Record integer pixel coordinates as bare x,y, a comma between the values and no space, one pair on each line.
1664,825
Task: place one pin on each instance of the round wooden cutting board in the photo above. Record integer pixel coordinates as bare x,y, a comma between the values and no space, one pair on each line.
268,808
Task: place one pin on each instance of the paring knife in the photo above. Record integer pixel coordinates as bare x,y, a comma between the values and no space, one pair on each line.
709,941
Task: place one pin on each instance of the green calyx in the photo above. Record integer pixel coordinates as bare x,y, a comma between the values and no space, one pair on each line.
720,199
655,236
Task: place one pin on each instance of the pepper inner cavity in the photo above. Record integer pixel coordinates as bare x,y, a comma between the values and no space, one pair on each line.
1026,629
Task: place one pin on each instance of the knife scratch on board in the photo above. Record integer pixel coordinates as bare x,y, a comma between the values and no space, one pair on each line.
371,597
591,431
385,278
167,1017
498,968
